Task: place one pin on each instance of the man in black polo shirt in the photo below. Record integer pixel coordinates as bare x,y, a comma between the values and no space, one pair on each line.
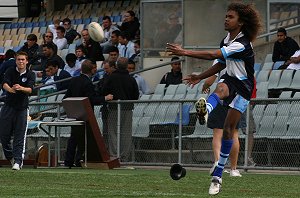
18,83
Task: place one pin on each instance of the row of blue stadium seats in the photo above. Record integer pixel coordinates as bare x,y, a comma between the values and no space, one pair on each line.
46,23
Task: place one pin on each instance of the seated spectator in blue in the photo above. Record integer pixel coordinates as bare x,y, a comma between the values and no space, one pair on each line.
71,66
142,84
126,46
80,54
108,28
48,81
9,61
31,48
284,47
58,74
71,33
174,77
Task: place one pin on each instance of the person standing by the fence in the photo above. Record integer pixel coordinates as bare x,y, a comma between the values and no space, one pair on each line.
236,54
18,83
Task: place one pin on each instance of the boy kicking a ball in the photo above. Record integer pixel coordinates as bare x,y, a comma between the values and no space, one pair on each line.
235,87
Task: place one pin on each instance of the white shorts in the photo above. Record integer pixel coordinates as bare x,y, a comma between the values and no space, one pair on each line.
239,103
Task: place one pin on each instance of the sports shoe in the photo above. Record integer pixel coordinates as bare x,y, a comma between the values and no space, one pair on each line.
235,173
201,111
251,162
213,168
16,166
215,186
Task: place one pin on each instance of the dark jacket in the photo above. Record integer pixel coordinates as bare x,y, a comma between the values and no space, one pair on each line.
94,51
31,51
62,75
82,86
71,35
122,86
131,27
284,50
172,78
18,100
5,65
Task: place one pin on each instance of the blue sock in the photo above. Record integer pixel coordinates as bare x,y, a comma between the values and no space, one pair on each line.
225,150
212,102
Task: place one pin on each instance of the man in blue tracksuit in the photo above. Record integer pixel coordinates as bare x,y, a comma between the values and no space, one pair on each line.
18,83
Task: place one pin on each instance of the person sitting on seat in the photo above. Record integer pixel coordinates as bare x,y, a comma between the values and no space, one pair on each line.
284,47
174,77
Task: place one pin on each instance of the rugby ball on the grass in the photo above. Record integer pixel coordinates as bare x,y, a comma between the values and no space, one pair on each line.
96,31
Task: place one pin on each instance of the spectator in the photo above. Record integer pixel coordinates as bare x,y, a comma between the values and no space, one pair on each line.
71,66
49,55
47,38
71,33
126,47
60,39
9,62
136,57
52,27
173,28
108,28
31,48
80,54
284,47
293,62
114,41
130,25
142,84
113,53
18,83
174,77
82,86
92,48
109,67
123,87
58,74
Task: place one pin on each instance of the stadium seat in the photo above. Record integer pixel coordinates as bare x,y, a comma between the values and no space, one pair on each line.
28,30
296,81
266,127
180,92
280,127
274,79
268,58
271,110
1,49
263,76
7,26
257,67
87,21
293,130
284,109
142,130
277,64
267,66
14,25
285,79
42,24
295,111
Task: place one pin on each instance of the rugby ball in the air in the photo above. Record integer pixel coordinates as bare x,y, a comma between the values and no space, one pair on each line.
96,31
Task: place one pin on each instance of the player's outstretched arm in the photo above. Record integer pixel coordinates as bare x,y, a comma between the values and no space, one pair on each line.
207,55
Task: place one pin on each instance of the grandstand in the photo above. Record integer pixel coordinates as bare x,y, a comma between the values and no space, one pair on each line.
160,118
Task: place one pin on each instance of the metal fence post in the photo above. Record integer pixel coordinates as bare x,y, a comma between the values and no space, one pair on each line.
180,134
119,129
247,137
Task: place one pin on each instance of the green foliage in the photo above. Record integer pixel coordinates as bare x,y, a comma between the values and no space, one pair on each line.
75,182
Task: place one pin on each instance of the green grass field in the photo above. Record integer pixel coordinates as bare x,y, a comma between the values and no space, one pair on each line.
44,182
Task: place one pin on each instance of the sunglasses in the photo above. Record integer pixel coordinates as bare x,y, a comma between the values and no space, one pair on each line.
48,36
